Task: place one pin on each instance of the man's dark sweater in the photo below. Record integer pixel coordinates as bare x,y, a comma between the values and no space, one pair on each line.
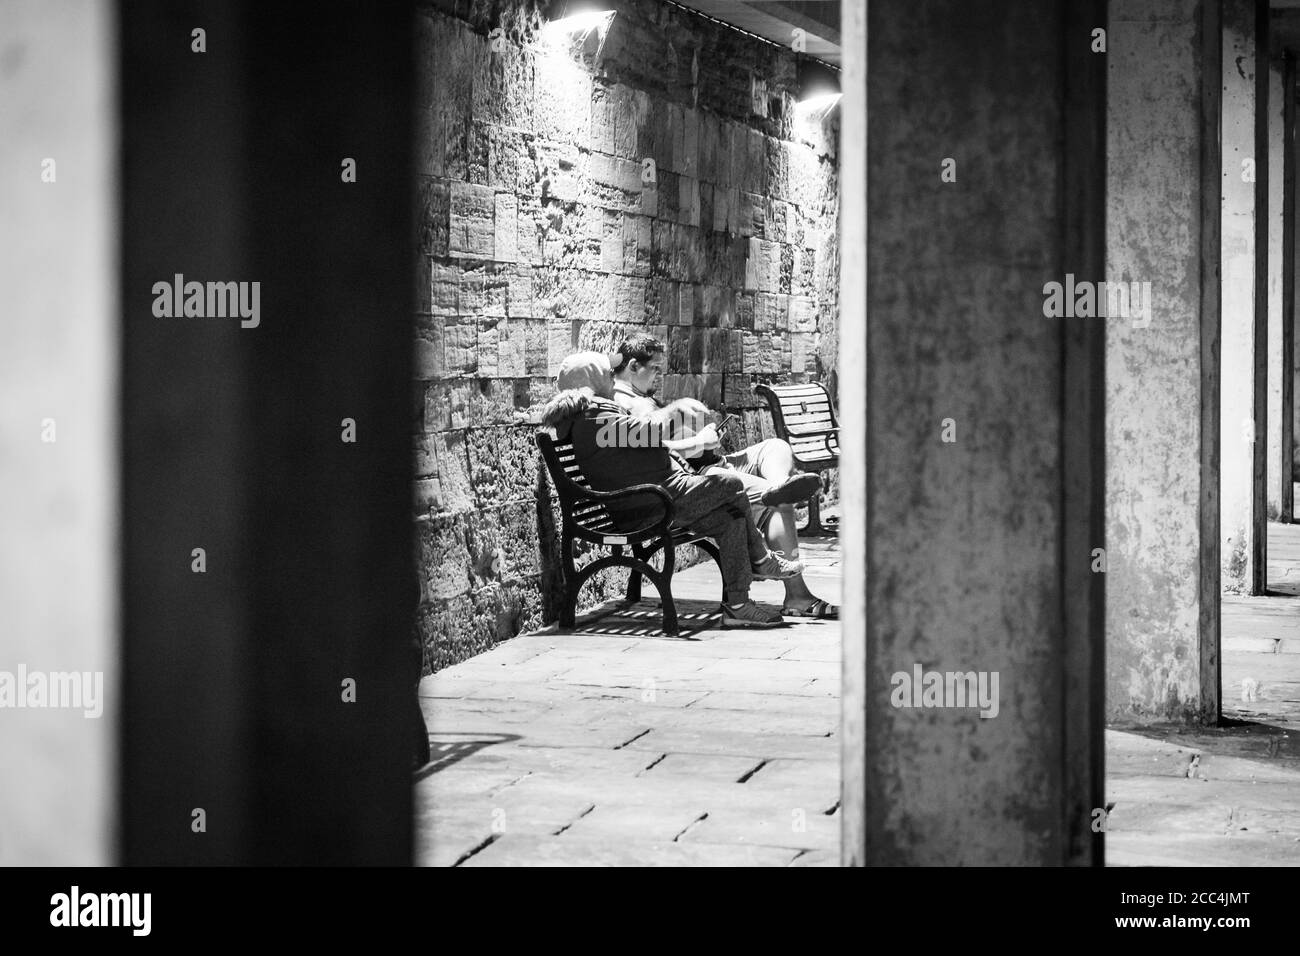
615,449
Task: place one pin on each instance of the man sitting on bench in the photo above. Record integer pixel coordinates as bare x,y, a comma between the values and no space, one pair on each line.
767,469
615,450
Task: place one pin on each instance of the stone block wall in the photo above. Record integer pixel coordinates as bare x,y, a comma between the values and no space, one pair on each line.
654,176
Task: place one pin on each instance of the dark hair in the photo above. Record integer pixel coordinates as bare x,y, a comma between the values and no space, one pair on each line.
640,346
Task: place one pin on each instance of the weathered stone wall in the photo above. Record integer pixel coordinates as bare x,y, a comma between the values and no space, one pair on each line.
541,233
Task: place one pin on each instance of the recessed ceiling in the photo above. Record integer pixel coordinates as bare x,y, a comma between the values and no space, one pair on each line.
776,20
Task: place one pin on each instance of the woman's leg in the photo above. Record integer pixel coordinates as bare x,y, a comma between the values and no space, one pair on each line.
782,538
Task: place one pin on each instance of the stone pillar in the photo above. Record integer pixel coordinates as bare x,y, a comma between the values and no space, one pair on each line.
1241,422
1278,466
981,478
1162,214
1292,363
58,471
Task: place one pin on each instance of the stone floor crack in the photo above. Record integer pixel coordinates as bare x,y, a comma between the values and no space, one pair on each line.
700,819
478,849
495,790
652,764
634,739
574,820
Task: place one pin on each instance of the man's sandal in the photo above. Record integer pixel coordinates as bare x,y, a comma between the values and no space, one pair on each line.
819,609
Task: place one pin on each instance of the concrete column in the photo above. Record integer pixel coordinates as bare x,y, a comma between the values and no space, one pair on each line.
853,398
1278,468
1289,364
1242,418
978,547
1162,620
58,468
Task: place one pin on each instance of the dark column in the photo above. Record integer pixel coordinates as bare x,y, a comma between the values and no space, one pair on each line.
232,435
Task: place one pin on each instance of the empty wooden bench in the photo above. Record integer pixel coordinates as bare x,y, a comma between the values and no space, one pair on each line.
804,416
586,515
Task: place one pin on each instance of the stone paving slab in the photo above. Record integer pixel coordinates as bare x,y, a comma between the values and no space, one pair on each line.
798,828
713,740
517,850
514,760
711,768
776,685
1195,849
814,704
783,773
818,858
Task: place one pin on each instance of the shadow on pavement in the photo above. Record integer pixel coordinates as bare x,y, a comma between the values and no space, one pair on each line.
446,749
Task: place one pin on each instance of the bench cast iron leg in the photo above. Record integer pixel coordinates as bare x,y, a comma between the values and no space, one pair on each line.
814,528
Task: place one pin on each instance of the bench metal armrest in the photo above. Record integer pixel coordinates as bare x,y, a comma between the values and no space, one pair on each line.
632,491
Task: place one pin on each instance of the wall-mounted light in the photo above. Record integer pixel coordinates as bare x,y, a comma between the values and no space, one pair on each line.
817,87
578,27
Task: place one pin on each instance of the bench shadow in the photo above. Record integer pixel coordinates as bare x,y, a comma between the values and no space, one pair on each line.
446,749
644,618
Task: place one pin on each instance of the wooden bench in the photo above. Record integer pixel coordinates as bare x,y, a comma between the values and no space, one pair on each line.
804,416
587,516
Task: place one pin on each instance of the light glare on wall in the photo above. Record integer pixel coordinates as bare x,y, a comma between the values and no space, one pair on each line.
579,25
816,107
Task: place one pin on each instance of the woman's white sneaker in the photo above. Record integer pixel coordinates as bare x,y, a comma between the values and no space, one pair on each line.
776,567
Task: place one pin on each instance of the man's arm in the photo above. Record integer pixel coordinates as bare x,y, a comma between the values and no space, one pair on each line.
674,424
681,417
706,439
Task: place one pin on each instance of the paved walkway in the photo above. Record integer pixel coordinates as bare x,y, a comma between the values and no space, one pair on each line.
1229,795
619,745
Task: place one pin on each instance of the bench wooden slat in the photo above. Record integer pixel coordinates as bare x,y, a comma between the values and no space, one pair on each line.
823,410
808,388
